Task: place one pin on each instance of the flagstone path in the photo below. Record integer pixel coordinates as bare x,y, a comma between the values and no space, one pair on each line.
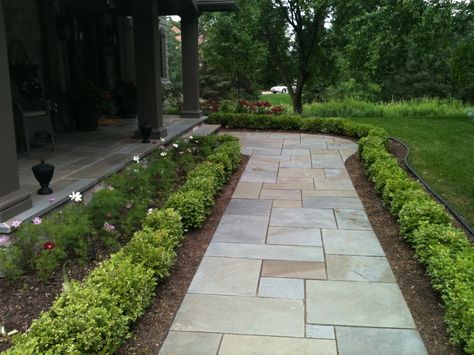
294,266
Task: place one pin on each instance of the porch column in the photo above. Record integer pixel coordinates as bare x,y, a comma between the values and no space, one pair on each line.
12,200
189,43
147,65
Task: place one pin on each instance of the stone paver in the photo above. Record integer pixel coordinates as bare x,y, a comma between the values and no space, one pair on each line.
352,219
253,345
266,252
359,268
303,217
294,266
356,303
225,276
287,204
294,269
320,331
332,202
249,190
294,236
240,315
241,229
351,242
372,341
281,288
191,343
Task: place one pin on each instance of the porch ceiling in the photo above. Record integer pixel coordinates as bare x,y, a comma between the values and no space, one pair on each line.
217,5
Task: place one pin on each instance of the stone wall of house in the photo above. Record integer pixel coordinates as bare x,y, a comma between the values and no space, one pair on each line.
23,30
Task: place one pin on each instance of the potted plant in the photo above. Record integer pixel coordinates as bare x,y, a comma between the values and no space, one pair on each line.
86,103
125,95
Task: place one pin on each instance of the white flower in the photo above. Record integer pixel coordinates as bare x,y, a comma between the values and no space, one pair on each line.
150,210
163,154
136,158
191,137
75,196
162,139
175,145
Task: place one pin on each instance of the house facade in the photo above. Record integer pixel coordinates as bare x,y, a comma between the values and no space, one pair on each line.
65,42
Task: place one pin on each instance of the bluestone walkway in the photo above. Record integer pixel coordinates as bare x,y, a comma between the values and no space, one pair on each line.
294,266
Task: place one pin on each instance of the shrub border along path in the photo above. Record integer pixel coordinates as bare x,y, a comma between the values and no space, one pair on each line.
95,316
443,249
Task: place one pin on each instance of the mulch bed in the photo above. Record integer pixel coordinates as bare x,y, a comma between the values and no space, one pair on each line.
423,301
150,331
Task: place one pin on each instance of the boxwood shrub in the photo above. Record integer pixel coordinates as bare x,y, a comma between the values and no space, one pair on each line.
442,248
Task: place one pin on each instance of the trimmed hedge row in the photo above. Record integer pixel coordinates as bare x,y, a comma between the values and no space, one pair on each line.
443,249
94,317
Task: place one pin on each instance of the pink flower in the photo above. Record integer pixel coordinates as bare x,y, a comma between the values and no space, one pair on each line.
5,241
109,227
37,220
49,246
51,199
16,223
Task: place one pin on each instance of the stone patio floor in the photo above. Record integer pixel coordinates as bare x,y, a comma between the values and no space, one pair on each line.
294,266
82,159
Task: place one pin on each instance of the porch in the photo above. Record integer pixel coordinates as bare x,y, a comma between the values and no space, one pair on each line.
83,159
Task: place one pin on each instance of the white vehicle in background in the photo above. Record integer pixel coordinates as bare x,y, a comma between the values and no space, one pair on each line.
281,89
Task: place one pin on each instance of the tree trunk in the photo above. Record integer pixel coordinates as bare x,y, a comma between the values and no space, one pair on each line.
297,103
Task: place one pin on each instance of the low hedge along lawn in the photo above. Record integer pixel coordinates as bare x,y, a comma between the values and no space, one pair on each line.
443,249
94,317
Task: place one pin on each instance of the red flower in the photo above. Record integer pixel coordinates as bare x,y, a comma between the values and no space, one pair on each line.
49,246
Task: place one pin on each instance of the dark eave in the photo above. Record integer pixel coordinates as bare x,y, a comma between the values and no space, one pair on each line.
216,5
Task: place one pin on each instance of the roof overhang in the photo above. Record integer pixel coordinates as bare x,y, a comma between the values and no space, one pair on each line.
216,5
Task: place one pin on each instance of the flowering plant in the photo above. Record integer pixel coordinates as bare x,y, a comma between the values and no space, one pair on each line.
259,107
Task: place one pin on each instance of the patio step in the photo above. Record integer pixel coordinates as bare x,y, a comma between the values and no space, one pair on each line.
204,130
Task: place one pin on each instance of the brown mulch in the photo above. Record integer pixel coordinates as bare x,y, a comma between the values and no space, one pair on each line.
423,301
152,328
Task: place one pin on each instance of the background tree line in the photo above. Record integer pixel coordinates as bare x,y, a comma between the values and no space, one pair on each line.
376,50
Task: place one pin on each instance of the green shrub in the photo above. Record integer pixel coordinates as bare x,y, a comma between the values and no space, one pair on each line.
153,249
190,205
206,185
222,158
166,219
212,171
232,150
351,107
428,237
416,213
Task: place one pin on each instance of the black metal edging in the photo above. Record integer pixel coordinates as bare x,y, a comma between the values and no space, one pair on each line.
459,218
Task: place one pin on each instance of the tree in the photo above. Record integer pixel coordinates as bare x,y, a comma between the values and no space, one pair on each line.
294,31
232,48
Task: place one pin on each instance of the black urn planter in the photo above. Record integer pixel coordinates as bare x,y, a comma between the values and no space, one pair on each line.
44,173
145,130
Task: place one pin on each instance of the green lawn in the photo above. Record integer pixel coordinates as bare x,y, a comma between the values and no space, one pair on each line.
277,99
441,151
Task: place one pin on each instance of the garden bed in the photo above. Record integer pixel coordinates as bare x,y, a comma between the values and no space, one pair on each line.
118,290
